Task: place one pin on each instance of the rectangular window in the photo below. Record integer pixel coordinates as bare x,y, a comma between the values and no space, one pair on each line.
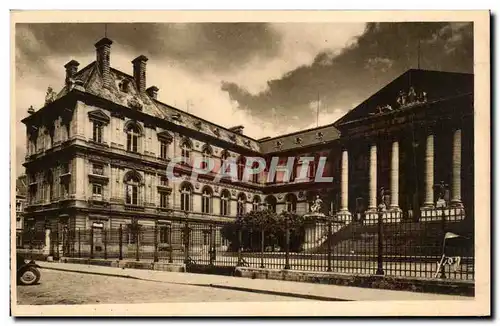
97,189
133,231
163,149
163,181
98,169
97,131
164,234
163,200
64,189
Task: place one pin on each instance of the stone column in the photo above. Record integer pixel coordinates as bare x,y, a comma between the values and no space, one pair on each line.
344,183
456,199
372,202
395,176
429,172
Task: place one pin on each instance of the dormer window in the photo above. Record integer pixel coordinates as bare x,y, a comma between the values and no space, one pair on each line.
124,85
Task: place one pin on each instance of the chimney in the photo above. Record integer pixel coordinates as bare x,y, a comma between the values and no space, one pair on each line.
103,49
153,92
71,69
140,72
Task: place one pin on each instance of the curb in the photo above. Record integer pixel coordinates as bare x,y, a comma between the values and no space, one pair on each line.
431,286
217,286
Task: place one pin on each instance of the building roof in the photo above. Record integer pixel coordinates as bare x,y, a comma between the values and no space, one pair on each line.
300,139
92,83
428,86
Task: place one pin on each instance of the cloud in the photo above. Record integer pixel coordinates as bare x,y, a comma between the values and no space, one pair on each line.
187,61
345,78
265,76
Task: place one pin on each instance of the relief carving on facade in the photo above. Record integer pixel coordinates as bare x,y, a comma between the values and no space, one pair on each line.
134,103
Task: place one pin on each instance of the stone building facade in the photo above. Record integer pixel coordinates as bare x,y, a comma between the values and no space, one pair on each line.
98,150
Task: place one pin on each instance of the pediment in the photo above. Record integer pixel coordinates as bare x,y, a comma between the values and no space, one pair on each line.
165,135
99,115
411,89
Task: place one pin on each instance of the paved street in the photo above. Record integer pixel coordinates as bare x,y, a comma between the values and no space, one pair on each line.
58,287
64,283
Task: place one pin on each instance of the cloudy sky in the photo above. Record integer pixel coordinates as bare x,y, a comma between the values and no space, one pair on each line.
267,77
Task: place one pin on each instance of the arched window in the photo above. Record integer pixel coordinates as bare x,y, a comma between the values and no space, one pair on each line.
186,191
225,197
256,203
133,134
271,203
186,151
207,153
291,203
132,187
242,200
241,167
206,200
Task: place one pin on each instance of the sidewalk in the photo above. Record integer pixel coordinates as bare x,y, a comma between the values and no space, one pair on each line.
294,289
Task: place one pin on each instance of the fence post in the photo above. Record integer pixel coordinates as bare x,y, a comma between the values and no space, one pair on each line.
240,239
171,251
186,242
155,258
443,229
79,245
120,243
380,267
137,232
262,233
287,244
91,242
211,245
105,243
329,245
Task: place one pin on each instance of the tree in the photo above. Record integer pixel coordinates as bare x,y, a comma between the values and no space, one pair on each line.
274,225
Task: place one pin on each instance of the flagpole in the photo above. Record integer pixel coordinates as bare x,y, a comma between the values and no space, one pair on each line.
317,113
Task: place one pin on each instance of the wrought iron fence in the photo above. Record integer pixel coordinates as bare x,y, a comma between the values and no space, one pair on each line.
379,243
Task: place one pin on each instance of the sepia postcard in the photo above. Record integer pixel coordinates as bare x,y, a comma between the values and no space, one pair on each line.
250,163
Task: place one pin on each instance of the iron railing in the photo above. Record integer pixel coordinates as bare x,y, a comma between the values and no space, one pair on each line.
380,243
